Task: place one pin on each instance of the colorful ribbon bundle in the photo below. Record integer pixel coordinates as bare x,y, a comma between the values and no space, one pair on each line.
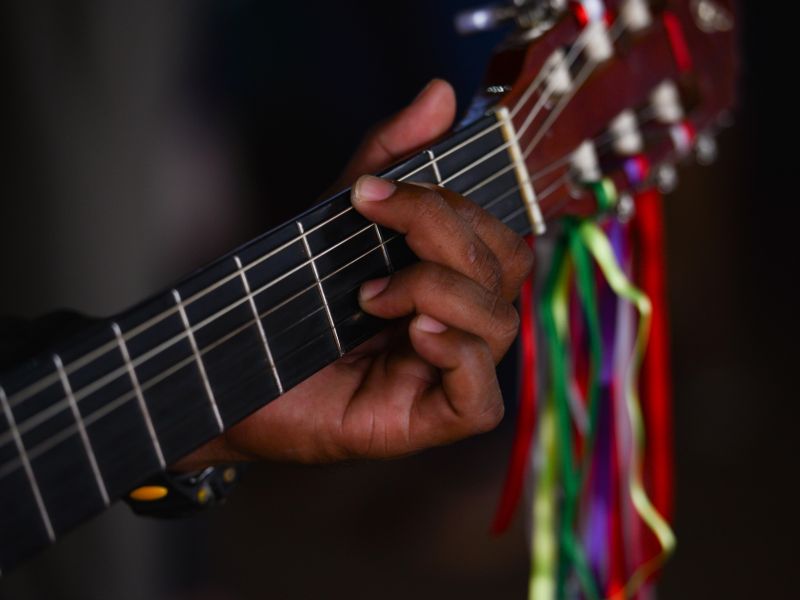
602,383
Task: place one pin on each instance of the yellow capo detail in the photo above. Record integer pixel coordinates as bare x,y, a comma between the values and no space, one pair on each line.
149,493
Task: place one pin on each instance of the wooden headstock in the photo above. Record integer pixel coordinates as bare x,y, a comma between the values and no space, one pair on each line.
616,90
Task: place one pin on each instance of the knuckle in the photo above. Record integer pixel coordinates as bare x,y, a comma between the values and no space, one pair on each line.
489,269
436,278
505,319
492,415
430,203
522,258
473,214
487,406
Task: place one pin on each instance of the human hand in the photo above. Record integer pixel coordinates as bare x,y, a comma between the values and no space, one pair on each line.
429,378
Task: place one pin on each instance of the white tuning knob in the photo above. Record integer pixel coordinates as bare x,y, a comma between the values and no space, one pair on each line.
585,162
591,14
666,102
558,78
635,15
705,149
598,44
626,207
666,178
626,134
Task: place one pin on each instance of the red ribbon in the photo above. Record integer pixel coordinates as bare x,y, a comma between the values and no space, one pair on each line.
526,419
656,387
677,41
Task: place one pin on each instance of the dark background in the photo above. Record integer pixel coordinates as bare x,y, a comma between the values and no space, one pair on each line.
142,141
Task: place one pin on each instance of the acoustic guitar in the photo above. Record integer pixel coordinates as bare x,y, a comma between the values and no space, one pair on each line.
579,93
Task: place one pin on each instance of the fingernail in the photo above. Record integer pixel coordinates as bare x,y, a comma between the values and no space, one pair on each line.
370,289
423,90
371,188
429,324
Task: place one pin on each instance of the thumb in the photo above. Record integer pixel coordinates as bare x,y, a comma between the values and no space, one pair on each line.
429,115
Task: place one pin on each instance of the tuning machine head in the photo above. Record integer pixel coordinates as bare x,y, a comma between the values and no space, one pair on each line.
705,149
526,14
666,178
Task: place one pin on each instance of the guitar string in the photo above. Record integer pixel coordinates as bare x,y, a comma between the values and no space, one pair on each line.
32,389
57,407
614,32
56,438
601,141
111,406
97,385
90,389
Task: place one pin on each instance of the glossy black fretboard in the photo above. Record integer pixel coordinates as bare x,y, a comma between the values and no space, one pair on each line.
86,422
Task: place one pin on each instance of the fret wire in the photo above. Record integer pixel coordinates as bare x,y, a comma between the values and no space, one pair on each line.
32,389
141,359
26,464
201,367
113,405
435,165
123,348
259,325
87,446
42,416
36,387
319,287
386,259
58,406
158,349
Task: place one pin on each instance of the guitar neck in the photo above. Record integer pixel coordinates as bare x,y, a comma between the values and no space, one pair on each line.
85,423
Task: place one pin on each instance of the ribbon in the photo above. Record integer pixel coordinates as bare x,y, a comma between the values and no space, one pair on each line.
555,322
648,232
526,419
598,245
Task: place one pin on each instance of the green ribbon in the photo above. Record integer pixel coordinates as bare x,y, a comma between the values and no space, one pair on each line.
555,324
605,193
597,243
555,553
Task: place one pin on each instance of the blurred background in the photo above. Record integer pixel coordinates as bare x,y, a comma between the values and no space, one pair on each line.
143,139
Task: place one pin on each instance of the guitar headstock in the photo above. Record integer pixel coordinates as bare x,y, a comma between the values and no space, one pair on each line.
611,91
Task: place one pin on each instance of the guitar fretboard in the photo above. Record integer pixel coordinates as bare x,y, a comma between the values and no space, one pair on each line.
85,423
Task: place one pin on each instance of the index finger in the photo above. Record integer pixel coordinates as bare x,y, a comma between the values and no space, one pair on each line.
433,230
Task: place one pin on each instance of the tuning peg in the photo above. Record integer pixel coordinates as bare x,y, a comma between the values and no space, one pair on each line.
705,149
636,14
525,13
666,178
626,208
484,19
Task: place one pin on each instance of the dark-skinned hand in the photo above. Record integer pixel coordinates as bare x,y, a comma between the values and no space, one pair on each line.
429,379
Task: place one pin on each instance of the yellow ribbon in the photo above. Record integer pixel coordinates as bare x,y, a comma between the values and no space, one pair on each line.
597,243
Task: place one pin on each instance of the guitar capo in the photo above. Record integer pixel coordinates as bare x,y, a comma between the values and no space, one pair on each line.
170,494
